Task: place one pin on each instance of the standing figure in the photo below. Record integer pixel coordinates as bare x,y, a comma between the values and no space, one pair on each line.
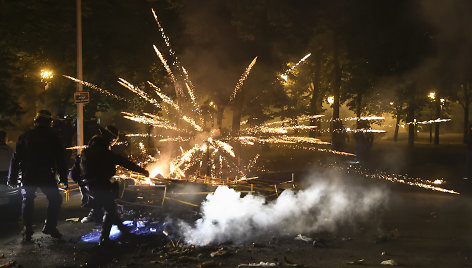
97,166
38,155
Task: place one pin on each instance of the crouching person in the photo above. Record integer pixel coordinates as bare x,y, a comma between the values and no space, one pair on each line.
97,166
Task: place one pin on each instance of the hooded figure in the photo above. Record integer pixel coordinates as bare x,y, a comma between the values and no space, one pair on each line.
97,165
39,155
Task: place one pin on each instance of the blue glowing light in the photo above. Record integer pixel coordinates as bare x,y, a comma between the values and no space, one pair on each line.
140,227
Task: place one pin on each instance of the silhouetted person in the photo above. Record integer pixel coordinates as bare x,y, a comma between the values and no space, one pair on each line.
468,164
110,133
97,166
38,155
5,157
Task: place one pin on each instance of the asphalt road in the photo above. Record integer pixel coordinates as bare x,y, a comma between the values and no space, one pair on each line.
417,228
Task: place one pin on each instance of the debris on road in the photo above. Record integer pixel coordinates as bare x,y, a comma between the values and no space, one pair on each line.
8,264
260,264
303,238
219,253
389,262
72,220
356,262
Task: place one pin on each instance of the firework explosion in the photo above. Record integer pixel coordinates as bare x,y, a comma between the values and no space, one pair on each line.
204,152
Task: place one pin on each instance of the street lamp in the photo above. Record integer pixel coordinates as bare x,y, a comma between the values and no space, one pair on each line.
432,97
46,76
331,100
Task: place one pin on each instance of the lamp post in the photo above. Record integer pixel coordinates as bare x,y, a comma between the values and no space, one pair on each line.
432,97
46,76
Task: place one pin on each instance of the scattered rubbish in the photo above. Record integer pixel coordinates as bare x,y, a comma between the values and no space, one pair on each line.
260,264
303,238
434,214
383,253
389,262
8,264
220,252
356,262
72,220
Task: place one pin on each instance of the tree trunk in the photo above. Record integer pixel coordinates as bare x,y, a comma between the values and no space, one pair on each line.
438,115
466,122
397,125
315,107
236,124
219,116
336,83
411,119
337,136
358,108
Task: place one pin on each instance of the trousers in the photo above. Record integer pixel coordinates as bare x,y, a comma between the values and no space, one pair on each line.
54,198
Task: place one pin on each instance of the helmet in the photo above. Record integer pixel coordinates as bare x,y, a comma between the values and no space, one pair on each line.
43,118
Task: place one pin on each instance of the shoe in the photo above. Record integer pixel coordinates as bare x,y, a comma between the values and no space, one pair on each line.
86,219
53,232
27,235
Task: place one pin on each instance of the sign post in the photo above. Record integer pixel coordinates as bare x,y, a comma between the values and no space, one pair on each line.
81,97
80,106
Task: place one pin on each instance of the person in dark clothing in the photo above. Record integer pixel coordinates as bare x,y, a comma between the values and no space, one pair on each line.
110,133
96,167
38,155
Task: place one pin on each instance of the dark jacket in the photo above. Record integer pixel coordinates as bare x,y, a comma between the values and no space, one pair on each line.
97,165
39,154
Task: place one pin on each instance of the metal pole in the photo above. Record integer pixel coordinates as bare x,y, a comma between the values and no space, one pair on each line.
80,107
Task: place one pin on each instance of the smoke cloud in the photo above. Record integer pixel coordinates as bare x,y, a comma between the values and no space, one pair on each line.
322,206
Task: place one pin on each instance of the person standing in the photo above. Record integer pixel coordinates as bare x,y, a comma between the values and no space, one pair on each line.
97,166
5,157
39,155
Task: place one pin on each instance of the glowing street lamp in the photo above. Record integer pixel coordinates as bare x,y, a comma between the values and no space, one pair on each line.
46,75
432,97
331,100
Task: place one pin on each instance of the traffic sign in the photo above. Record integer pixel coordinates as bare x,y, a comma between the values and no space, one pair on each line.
81,97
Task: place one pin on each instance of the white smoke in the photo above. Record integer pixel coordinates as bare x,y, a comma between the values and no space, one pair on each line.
320,207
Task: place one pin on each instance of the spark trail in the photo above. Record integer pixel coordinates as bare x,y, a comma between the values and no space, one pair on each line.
242,79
